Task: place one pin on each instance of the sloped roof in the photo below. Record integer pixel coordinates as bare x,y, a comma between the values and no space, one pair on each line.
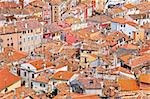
7,78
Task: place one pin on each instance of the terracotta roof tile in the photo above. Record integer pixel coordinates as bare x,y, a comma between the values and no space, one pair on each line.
140,60
38,64
43,77
7,78
128,84
145,78
62,87
129,6
119,20
62,75
11,55
90,83
9,5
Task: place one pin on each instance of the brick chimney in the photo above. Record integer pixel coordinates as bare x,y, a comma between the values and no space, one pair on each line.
22,3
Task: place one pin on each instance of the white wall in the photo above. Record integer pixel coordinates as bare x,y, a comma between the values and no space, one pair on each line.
37,87
94,91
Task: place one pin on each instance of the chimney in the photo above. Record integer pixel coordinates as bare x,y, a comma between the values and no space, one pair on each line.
10,53
22,95
130,61
92,30
22,3
26,25
4,30
115,59
44,64
60,76
65,96
26,85
16,29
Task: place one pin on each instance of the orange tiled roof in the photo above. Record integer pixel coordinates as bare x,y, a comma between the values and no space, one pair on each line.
38,64
55,2
140,60
7,78
11,55
128,84
26,90
64,93
117,10
126,58
129,6
120,69
130,46
90,83
132,23
145,78
62,87
124,21
72,95
87,97
43,77
62,75
119,20
9,5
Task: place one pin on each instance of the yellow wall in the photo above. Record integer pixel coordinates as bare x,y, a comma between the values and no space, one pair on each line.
139,35
38,14
13,38
12,87
90,58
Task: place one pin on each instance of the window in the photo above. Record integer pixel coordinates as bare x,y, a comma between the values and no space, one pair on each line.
31,84
7,44
31,38
40,84
25,74
43,85
12,44
6,89
20,49
20,37
24,32
85,60
32,75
